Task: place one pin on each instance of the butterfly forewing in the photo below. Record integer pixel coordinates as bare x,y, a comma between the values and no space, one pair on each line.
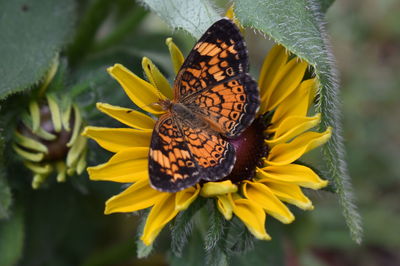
220,54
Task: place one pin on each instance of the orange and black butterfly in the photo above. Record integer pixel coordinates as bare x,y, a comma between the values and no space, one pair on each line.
214,99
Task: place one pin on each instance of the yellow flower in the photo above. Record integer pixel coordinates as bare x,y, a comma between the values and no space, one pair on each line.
258,185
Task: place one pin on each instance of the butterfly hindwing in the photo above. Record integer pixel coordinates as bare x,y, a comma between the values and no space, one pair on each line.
171,164
213,155
220,54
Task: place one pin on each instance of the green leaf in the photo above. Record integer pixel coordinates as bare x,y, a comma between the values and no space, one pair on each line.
216,226
31,34
142,250
193,253
192,16
182,227
238,239
12,238
298,25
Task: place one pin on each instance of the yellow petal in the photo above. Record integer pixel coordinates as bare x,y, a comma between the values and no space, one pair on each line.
127,116
225,205
126,166
252,216
156,78
184,198
291,127
286,153
118,139
231,15
162,212
262,195
176,55
289,193
212,189
142,93
136,197
286,82
296,104
294,174
273,62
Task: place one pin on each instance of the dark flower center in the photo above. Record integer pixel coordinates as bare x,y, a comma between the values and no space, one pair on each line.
250,148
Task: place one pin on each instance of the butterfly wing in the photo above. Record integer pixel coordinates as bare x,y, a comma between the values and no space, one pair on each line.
213,81
219,55
229,107
214,156
182,154
171,164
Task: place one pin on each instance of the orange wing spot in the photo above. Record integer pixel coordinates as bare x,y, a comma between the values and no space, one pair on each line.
223,54
213,61
241,98
209,49
185,154
216,50
225,112
231,48
174,167
195,72
177,176
214,69
181,163
172,157
200,46
224,64
224,45
219,76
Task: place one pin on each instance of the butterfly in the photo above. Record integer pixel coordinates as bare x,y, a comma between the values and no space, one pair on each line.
215,99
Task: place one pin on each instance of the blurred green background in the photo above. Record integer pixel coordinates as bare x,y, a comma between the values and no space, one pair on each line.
63,224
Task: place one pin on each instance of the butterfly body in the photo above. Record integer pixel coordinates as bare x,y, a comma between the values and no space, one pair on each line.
214,100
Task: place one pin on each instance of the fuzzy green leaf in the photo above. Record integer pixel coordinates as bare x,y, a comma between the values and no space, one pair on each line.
182,227
142,250
192,16
12,239
193,253
298,25
238,239
31,34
